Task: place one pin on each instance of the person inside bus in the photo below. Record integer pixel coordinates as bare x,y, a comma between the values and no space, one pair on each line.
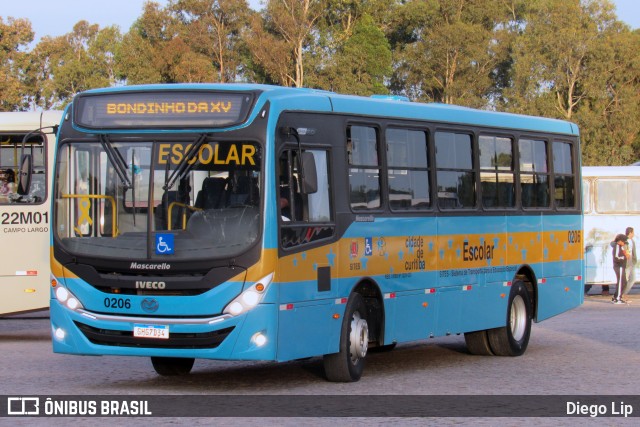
285,209
631,261
620,257
7,177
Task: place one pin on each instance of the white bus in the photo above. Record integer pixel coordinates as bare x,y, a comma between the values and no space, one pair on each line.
26,143
611,204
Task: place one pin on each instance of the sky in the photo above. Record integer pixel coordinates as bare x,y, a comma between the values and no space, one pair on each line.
57,17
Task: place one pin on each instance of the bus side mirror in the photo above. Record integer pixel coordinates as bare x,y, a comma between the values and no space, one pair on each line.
309,183
24,174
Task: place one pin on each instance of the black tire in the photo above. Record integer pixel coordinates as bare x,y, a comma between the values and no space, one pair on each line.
478,343
382,348
512,339
587,288
171,366
348,364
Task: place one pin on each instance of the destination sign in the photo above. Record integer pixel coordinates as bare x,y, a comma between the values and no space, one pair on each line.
161,109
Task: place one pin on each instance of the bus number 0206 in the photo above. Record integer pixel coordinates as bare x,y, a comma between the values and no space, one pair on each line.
574,236
117,303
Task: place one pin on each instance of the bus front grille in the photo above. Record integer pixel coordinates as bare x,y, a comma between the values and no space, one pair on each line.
117,338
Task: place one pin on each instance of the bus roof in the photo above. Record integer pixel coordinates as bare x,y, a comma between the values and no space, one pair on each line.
305,99
28,121
608,171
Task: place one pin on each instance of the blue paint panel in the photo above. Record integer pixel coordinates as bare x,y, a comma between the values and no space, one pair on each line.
309,330
483,307
558,295
449,310
414,321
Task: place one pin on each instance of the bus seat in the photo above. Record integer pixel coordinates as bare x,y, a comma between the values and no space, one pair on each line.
212,194
244,192
161,212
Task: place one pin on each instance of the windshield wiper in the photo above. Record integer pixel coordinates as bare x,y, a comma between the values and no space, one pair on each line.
117,161
184,164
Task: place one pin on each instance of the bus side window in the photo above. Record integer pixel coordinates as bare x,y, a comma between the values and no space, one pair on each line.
455,175
564,182
364,168
534,173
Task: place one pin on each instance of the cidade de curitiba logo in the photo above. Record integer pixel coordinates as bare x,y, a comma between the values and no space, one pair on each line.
142,266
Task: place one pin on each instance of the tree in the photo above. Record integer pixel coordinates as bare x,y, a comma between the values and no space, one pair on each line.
188,41
83,59
610,117
213,29
361,63
278,42
446,51
551,57
15,35
575,61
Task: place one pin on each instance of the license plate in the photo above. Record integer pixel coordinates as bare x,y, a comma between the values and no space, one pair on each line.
151,331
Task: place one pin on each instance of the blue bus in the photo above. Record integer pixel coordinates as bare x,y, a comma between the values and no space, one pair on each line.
255,222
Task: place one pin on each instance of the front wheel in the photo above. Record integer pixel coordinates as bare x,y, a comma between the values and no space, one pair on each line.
170,366
347,365
512,340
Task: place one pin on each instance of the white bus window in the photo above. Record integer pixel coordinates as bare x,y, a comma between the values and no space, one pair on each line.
611,196
633,196
586,195
11,149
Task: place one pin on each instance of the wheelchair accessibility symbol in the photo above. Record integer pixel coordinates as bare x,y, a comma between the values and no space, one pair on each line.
164,244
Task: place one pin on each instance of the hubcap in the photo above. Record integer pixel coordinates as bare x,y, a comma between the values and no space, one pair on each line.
518,318
359,337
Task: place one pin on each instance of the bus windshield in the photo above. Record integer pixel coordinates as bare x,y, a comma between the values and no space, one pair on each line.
125,198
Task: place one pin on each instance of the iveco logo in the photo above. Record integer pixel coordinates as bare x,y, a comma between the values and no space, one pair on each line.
150,305
149,285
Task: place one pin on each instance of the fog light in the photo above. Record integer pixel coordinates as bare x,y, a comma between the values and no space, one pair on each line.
60,333
259,339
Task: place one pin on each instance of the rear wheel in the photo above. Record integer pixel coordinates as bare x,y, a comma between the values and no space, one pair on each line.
169,366
512,340
347,365
478,343
382,348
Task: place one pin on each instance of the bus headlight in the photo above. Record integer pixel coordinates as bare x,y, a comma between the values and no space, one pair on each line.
249,298
67,298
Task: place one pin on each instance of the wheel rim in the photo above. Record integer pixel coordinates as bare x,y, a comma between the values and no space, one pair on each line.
358,337
518,318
